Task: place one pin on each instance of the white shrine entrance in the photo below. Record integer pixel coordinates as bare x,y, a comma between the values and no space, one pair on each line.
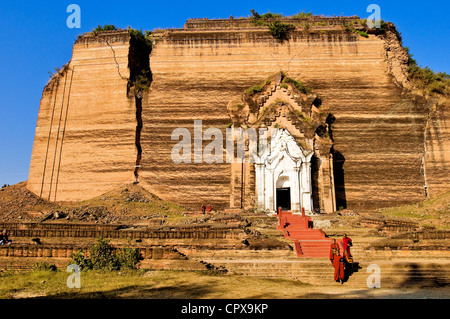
283,175
295,170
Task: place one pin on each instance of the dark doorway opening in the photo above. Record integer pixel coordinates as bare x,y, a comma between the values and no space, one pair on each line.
339,179
284,198
315,183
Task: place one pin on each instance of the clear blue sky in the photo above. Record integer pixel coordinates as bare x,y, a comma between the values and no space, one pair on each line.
35,39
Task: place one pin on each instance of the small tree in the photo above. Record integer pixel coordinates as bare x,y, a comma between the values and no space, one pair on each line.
255,15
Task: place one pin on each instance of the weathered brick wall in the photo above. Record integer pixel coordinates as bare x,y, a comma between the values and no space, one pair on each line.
111,231
85,134
437,146
379,127
66,251
378,130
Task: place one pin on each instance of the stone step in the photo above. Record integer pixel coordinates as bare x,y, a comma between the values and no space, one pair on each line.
215,243
392,274
304,234
232,211
316,250
308,242
390,282
20,263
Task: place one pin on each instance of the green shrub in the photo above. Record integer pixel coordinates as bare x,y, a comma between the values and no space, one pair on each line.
79,259
270,15
280,30
103,256
254,89
297,84
427,80
277,29
348,26
438,87
129,257
255,15
265,16
305,119
140,74
139,36
142,81
302,15
362,33
106,27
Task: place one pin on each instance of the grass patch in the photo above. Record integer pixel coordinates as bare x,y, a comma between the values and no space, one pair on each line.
145,284
431,212
254,89
297,84
425,79
362,33
44,266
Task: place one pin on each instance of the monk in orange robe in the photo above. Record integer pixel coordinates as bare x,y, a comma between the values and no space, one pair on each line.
337,262
347,243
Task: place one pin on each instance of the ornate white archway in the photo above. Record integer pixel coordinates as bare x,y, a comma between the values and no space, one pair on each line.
283,164
292,150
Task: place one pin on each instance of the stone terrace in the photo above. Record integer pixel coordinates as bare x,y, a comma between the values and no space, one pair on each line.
248,245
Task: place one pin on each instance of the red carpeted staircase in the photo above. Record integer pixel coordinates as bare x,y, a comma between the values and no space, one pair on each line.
308,242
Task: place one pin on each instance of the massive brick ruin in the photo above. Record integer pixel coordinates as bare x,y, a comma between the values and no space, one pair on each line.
383,144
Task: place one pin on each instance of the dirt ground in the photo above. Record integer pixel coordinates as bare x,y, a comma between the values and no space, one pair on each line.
190,285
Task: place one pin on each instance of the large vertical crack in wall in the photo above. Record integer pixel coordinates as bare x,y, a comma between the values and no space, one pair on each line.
57,136
55,88
138,101
115,60
422,160
434,165
64,131
138,84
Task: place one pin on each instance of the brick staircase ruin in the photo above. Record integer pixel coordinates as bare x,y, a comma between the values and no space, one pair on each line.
159,245
218,246
399,268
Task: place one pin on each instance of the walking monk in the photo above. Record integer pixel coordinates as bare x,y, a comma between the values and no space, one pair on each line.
347,243
337,262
